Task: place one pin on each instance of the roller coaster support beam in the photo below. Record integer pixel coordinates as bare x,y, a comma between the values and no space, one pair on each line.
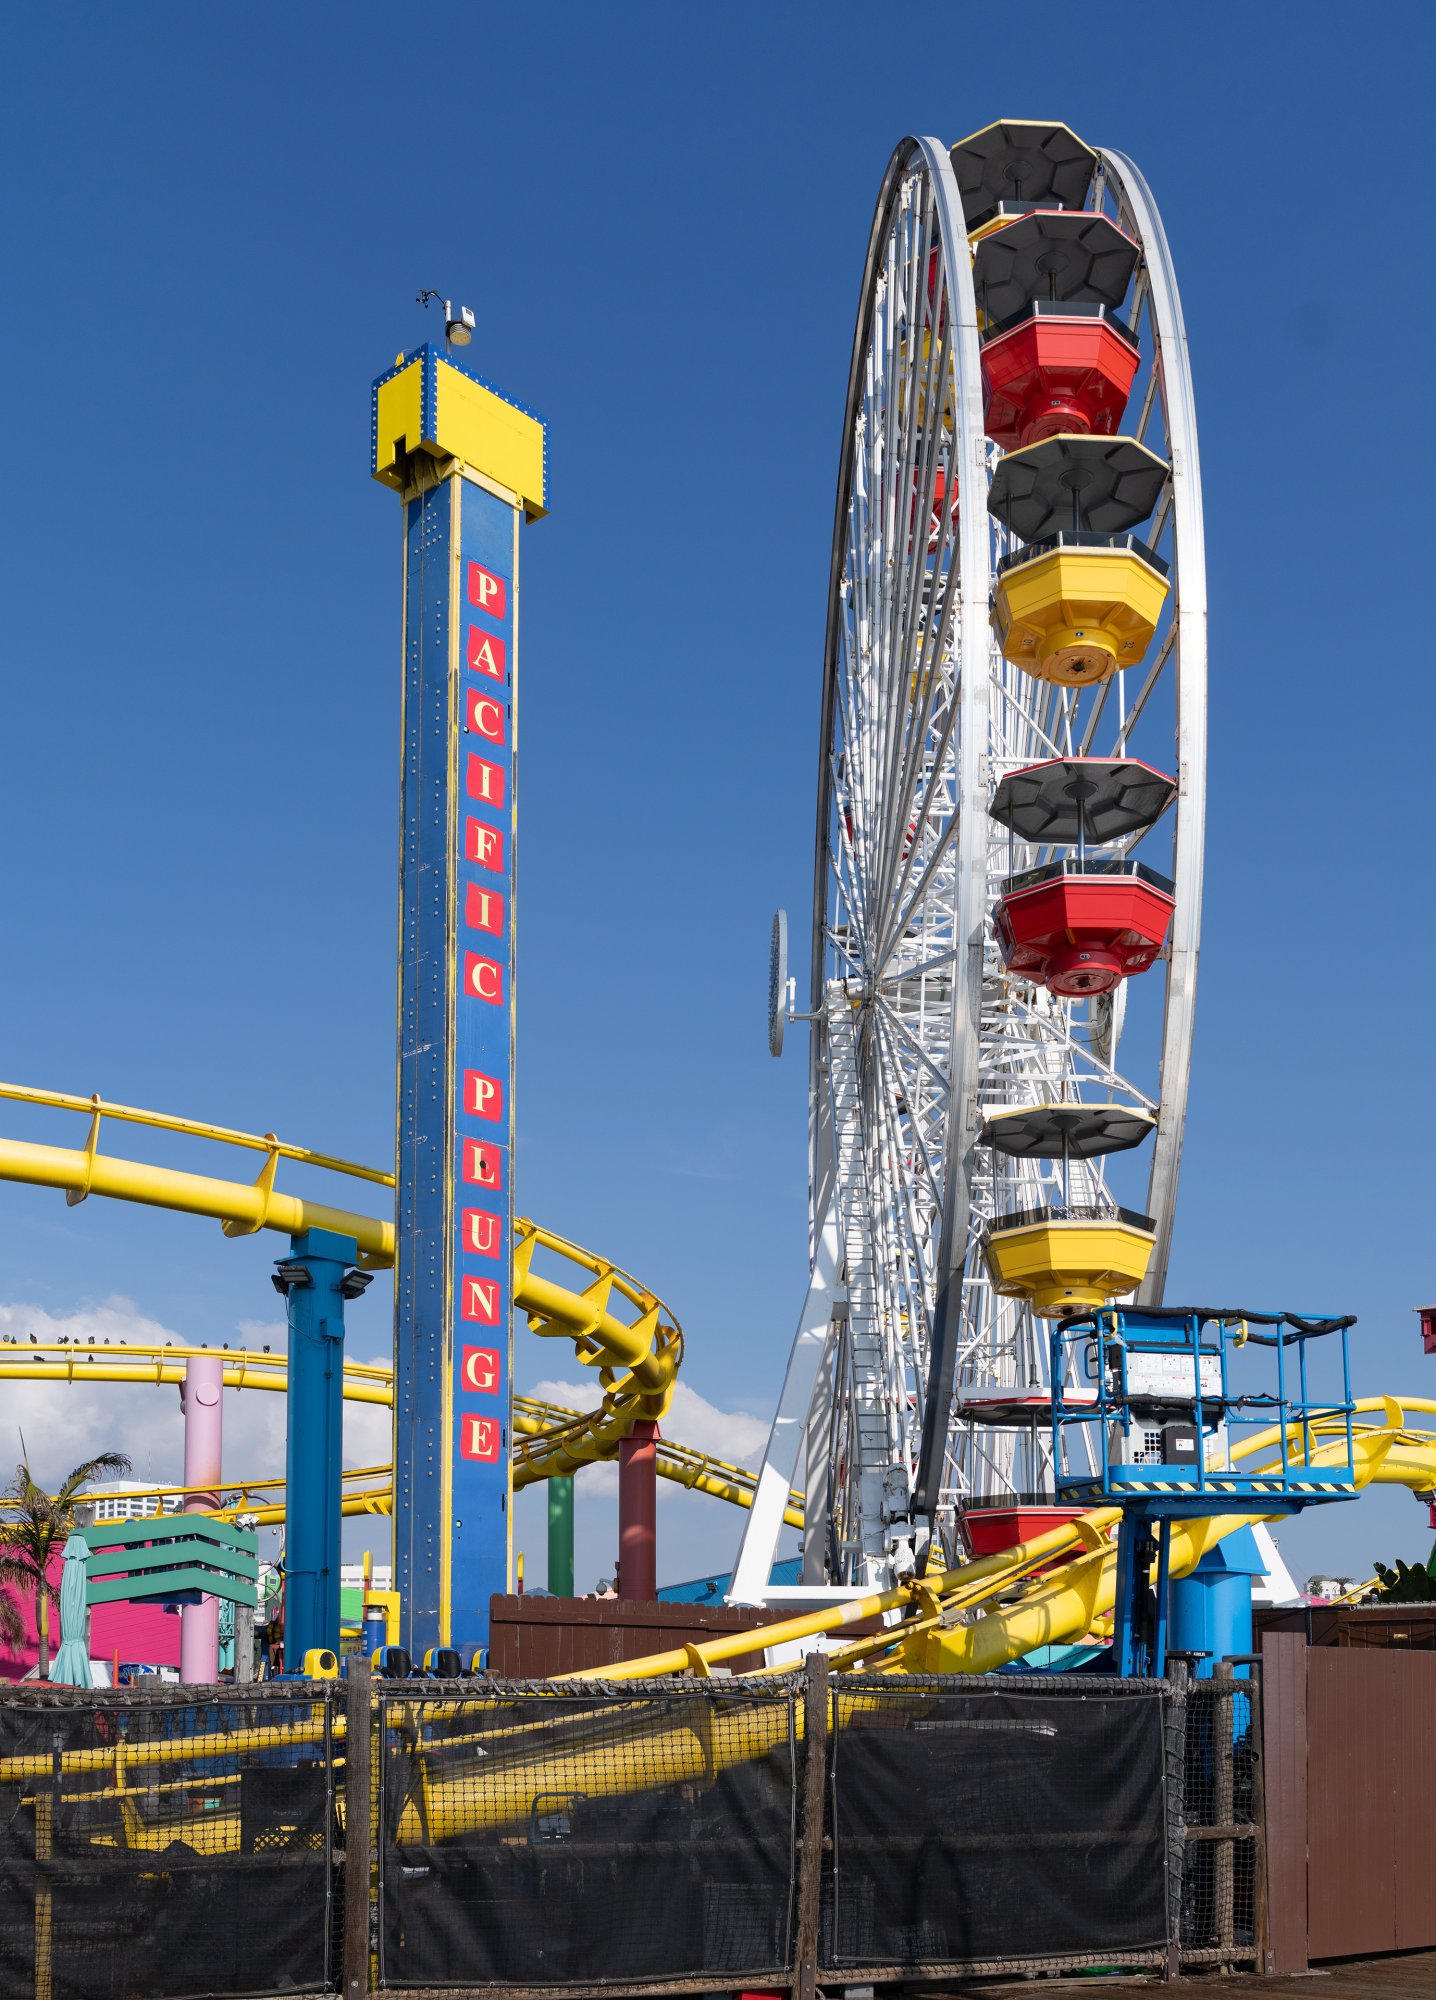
775,1479
469,466
638,1514
316,1278
202,1400
560,1536
1139,1604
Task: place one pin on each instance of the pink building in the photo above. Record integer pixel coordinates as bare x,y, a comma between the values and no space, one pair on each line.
145,1633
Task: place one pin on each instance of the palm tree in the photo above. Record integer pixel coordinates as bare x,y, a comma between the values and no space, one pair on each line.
36,1524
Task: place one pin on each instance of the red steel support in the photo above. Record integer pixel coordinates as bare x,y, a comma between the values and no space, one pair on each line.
638,1514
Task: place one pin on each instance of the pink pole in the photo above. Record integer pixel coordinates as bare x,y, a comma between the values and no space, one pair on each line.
202,1399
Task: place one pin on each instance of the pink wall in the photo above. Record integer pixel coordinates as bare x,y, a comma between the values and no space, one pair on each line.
143,1632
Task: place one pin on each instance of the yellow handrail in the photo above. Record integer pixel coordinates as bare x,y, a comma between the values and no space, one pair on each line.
637,1359
367,1489
194,1128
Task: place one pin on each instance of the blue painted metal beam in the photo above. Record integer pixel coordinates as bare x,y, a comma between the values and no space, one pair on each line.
315,1278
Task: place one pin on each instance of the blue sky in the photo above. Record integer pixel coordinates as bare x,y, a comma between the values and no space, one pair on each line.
216,223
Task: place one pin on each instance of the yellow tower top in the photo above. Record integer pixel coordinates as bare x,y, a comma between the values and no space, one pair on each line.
427,407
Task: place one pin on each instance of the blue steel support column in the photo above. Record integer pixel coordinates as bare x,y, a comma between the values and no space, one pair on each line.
1212,1608
315,1278
469,467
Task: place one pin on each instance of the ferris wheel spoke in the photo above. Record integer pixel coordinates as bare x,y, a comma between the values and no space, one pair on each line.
925,754
1081,1058
1039,738
913,1045
903,1265
921,889
1164,653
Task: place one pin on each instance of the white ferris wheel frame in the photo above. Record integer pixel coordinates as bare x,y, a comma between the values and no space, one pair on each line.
852,1382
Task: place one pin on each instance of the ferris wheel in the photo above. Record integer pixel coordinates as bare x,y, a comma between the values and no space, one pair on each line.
1008,866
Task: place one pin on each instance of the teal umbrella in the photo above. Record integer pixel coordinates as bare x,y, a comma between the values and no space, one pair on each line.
72,1662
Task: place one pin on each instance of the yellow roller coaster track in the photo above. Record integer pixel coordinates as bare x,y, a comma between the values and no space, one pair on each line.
1059,1586
367,1489
636,1358
975,1619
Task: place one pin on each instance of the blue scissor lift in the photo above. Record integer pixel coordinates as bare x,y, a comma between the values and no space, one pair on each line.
1150,1409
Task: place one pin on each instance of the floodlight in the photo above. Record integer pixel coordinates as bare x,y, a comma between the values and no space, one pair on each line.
459,322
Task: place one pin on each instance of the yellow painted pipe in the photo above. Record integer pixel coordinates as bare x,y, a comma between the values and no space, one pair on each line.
257,1207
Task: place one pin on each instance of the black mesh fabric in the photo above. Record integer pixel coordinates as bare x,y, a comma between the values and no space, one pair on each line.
163,1847
587,1839
986,1821
1219,1877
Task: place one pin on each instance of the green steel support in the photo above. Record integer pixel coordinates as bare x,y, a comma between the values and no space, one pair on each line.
560,1536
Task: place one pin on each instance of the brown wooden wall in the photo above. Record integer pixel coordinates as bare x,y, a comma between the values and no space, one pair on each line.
533,1637
1392,1627
1350,1755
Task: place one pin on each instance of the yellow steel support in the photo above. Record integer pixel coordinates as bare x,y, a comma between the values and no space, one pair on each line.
1061,1602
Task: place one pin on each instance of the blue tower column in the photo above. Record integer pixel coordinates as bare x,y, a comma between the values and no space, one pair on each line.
316,1278
469,467
1212,1608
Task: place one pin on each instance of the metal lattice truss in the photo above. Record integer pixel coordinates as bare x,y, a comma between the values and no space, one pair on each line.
918,1031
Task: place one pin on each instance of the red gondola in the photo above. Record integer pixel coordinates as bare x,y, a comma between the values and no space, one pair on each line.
1079,927
1057,368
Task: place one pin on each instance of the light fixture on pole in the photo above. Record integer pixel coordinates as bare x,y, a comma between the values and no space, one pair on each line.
459,321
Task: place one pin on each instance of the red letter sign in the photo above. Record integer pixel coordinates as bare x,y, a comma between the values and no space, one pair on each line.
479,1439
488,591
486,653
481,1164
480,1233
483,1095
484,978
483,715
480,1371
484,911
486,780
484,844
480,1300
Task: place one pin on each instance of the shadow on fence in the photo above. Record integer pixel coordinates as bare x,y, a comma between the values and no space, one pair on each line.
684,1836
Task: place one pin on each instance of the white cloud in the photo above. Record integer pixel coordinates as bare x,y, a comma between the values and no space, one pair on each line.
64,1421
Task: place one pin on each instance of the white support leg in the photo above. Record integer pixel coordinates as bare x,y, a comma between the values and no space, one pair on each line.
785,1440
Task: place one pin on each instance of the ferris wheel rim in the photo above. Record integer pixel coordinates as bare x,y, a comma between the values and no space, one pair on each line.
927,160
931,154
1179,1005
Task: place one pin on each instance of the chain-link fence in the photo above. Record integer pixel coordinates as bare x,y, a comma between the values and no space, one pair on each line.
994,1824
161,1846
562,1839
593,1837
1221,1915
